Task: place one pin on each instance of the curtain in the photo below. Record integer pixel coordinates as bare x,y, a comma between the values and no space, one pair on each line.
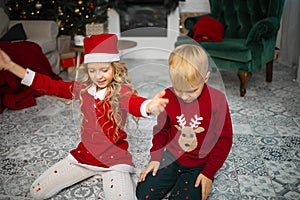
290,34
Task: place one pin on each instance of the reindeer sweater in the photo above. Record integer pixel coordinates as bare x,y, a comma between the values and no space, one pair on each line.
197,133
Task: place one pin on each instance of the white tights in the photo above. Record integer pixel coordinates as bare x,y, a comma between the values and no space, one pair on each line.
116,185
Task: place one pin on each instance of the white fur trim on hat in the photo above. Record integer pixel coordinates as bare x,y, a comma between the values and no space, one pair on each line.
101,57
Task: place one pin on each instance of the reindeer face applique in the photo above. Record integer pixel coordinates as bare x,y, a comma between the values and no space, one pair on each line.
187,139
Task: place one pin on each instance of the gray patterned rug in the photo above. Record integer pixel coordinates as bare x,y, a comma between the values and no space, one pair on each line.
264,162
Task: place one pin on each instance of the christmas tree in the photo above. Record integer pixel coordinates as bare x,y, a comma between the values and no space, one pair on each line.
30,9
71,15
74,15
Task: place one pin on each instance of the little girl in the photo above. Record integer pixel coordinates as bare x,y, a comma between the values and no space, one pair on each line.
106,98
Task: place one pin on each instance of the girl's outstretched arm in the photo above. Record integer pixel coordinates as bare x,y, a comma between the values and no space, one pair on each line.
7,64
40,82
157,104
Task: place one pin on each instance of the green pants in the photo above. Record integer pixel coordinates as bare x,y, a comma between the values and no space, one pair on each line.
171,177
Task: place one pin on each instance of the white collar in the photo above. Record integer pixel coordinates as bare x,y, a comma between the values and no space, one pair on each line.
97,95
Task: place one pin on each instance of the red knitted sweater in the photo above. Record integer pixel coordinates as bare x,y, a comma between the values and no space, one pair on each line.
197,133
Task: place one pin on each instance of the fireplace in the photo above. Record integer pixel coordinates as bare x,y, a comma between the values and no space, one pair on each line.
140,16
149,24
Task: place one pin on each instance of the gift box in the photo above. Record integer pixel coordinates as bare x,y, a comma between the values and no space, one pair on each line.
63,43
94,29
69,59
70,62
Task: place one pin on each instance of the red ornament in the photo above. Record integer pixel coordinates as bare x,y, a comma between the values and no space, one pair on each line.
92,6
24,17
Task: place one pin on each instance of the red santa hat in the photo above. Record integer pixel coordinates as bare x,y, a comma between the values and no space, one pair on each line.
101,48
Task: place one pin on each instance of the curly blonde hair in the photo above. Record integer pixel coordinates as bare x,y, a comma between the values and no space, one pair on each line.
120,78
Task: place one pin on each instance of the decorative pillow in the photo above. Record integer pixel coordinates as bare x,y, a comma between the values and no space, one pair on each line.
208,29
16,32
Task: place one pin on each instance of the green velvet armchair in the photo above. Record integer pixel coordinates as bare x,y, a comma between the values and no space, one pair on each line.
250,32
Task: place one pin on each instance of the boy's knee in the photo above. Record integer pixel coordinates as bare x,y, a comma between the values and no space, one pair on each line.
141,191
144,191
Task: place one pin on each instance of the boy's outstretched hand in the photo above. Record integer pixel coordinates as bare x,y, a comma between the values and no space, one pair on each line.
157,104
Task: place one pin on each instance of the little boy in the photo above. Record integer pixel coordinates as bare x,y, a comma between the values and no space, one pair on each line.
193,136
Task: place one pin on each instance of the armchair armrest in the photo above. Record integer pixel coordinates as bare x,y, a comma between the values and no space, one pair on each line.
37,29
263,29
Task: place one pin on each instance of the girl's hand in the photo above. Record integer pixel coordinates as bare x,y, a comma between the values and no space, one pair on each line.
152,166
206,185
5,61
157,104
7,64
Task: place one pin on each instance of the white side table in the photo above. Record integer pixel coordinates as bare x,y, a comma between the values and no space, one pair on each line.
126,44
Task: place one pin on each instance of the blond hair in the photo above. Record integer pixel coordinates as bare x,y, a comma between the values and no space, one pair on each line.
120,78
187,63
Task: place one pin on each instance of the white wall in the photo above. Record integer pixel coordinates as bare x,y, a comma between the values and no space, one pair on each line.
290,31
194,6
